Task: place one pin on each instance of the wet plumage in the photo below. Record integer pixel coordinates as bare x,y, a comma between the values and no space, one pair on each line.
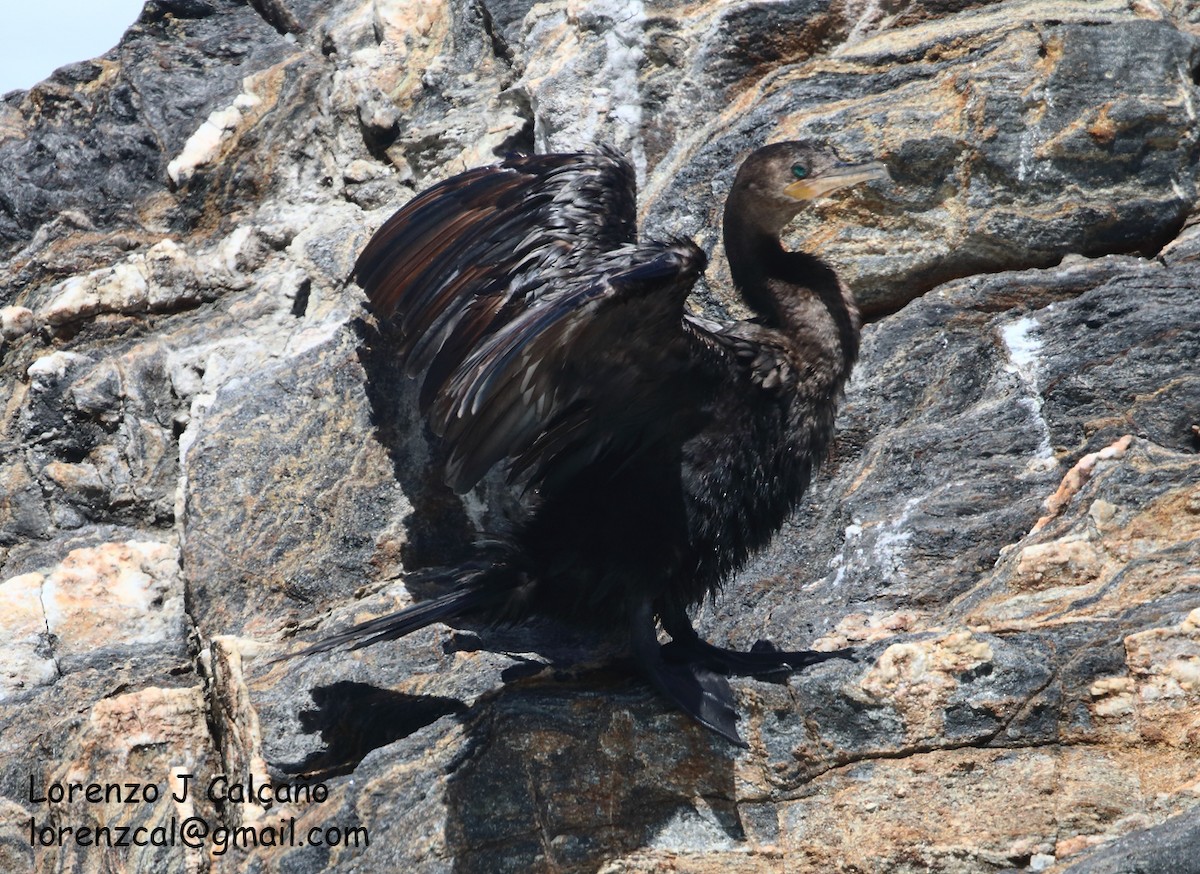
660,450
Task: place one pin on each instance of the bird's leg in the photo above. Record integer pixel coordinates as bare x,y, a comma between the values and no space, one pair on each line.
763,660
700,692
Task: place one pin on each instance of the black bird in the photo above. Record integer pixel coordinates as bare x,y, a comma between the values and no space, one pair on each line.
659,449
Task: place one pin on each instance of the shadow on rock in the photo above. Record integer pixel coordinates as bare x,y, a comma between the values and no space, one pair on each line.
355,718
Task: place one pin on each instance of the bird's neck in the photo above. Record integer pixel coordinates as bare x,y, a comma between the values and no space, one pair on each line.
795,292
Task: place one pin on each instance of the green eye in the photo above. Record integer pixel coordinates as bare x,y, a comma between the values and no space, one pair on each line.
799,171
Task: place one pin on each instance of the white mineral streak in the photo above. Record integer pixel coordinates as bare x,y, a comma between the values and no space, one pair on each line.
602,83
162,277
892,540
851,549
624,57
1023,348
204,145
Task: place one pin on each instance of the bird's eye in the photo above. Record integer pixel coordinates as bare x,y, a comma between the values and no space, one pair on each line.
799,171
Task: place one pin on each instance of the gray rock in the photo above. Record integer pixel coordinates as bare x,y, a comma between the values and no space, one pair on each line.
207,456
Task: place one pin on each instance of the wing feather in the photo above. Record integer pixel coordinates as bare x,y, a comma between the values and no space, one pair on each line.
544,334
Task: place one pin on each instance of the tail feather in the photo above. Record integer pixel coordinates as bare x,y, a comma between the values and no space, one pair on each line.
452,605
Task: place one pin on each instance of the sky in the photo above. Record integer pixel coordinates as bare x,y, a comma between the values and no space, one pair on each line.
39,36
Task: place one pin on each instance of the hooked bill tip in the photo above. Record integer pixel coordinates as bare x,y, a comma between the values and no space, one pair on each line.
840,176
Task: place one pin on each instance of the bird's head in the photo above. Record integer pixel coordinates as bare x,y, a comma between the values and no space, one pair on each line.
778,180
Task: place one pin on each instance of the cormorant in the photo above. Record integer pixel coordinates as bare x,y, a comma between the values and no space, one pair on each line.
660,449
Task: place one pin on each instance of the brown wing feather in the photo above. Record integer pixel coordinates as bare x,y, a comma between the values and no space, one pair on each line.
544,334
490,232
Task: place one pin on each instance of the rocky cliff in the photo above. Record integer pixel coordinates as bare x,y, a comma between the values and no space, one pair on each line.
206,458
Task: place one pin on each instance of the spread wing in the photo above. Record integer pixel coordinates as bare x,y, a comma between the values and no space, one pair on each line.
543,332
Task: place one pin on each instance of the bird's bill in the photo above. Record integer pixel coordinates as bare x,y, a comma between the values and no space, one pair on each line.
835,178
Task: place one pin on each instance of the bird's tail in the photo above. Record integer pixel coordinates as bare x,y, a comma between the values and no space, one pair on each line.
479,591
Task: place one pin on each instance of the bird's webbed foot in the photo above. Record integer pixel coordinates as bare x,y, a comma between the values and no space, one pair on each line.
763,661
700,692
